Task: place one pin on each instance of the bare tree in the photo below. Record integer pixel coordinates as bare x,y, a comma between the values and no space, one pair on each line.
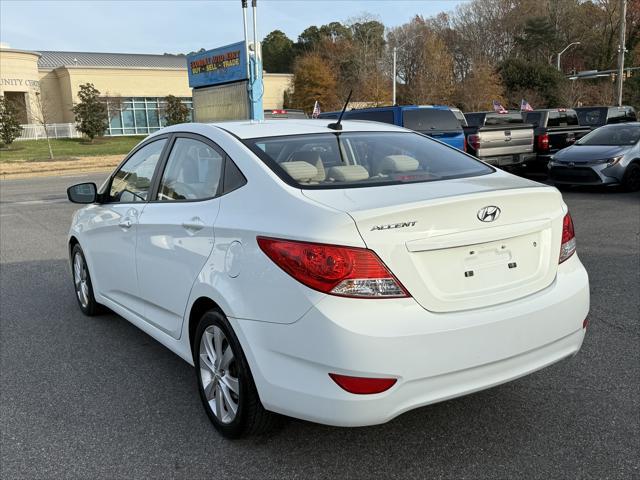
41,113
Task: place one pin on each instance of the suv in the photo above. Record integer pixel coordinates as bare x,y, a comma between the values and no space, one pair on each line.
595,117
436,121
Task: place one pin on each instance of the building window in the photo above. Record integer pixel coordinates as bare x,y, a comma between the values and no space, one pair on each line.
139,115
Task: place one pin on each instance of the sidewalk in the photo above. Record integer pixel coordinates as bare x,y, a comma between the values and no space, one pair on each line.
9,170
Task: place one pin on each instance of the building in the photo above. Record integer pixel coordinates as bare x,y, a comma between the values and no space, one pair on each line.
133,85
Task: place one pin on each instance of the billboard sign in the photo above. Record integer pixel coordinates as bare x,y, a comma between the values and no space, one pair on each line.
220,65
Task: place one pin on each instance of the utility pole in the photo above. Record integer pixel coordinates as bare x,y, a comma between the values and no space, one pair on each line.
621,49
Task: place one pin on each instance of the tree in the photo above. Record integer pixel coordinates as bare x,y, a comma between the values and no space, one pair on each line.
174,110
523,78
313,80
480,88
91,112
277,52
41,113
10,128
425,66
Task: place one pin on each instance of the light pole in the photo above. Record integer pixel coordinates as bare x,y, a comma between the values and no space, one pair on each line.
621,49
395,56
395,61
564,50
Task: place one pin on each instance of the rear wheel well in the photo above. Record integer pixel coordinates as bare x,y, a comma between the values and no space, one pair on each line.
199,308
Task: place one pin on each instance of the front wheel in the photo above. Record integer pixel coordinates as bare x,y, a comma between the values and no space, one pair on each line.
631,179
82,283
226,385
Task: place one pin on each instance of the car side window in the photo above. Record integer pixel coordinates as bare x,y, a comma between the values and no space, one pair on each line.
192,172
233,177
133,181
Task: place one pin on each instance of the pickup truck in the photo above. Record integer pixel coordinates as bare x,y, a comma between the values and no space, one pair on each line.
595,117
500,139
436,121
553,130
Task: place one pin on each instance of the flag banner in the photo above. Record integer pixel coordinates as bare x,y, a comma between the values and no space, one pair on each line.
525,107
316,110
497,106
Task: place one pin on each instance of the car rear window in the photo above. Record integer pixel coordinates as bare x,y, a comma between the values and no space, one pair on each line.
430,119
592,117
474,119
533,118
384,116
503,118
352,159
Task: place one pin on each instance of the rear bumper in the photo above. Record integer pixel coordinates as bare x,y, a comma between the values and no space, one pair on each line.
434,356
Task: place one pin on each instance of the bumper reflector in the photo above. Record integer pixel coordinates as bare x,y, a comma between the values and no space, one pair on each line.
363,385
585,323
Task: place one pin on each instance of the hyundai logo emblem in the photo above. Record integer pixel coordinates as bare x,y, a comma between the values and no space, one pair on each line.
488,213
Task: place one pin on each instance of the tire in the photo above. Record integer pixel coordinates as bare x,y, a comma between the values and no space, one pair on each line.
227,382
631,179
82,283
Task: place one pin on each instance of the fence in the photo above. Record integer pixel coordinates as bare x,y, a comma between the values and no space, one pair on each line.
55,130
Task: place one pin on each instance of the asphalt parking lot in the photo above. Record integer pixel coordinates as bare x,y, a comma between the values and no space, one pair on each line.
97,398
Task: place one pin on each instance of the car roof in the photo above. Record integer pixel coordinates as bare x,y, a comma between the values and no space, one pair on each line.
275,128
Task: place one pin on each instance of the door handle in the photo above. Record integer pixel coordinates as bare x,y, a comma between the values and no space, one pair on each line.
194,225
126,223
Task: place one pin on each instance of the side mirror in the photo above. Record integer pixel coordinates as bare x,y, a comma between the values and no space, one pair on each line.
82,193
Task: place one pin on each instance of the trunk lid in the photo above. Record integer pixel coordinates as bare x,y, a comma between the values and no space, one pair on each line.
430,237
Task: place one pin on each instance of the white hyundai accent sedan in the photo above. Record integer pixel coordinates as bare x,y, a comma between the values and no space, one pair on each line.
338,276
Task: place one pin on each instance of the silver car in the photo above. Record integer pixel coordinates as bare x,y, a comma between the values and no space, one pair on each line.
609,155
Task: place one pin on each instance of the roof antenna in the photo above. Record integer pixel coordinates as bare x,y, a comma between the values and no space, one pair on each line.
337,125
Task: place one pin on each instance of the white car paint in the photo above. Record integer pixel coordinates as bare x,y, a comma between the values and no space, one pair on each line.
447,339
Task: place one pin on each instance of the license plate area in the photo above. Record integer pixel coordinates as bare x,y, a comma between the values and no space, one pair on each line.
486,268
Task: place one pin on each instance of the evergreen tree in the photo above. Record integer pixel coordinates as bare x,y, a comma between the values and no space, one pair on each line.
277,52
10,128
91,113
175,111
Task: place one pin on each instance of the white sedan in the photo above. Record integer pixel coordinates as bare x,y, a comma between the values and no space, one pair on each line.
338,276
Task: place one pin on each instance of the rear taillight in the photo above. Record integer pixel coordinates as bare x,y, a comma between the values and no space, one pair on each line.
474,141
464,144
363,385
333,269
568,246
543,142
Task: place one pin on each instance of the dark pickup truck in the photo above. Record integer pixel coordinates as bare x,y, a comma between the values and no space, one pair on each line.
595,117
554,129
501,139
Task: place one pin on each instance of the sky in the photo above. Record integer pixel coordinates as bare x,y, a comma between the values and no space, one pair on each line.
156,26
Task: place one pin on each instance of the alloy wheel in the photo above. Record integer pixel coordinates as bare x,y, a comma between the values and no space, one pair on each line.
218,372
80,279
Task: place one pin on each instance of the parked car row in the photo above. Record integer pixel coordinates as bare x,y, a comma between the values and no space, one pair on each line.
514,138
433,120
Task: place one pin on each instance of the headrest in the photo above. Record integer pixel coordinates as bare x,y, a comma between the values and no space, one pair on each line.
300,171
348,173
308,156
399,163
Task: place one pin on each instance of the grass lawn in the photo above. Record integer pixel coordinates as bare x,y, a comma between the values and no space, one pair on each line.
67,148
